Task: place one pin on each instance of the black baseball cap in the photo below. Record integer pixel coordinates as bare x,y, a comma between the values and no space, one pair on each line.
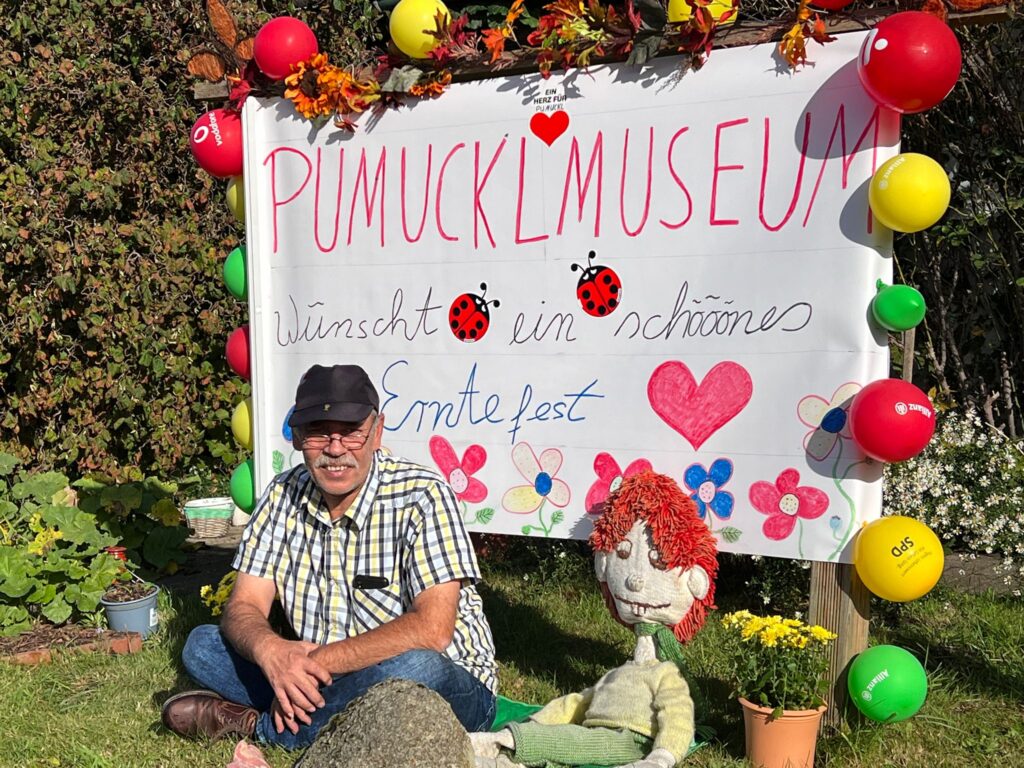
337,393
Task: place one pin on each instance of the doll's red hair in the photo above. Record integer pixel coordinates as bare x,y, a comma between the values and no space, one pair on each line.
680,535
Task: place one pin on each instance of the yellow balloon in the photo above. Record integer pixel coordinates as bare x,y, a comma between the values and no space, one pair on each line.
898,558
679,10
236,197
910,192
241,423
411,24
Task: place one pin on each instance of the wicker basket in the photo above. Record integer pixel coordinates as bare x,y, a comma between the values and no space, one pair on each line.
209,518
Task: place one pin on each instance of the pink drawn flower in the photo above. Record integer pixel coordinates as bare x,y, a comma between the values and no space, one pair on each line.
829,420
540,476
459,473
785,501
609,478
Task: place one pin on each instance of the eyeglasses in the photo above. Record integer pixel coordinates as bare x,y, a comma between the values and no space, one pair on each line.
350,440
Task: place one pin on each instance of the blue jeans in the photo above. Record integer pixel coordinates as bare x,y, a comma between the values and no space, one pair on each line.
211,661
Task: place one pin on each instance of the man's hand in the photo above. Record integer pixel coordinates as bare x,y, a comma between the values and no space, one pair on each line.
296,679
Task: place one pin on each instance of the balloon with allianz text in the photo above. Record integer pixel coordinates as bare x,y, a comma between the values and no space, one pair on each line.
887,683
898,558
909,192
411,23
282,43
235,275
891,420
243,486
680,10
216,142
897,307
241,423
235,197
910,61
237,352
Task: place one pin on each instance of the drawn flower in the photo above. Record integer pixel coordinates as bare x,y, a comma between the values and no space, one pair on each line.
609,478
540,474
459,473
706,485
785,501
828,419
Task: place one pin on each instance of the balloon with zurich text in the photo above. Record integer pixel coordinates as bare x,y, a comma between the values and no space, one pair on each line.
910,61
887,683
237,352
898,558
282,43
243,486
411,24
891,420
216,142
909,192
897,307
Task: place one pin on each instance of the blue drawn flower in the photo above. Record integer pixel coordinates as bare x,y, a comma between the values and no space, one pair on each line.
706,485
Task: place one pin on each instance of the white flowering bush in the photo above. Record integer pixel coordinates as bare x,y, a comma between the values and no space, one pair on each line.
968,486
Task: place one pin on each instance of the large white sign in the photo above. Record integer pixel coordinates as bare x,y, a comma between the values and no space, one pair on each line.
678,274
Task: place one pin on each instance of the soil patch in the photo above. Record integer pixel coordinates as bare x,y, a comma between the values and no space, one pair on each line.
127,591
47,636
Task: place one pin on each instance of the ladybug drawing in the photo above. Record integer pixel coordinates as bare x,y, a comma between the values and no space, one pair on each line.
470,316
599,289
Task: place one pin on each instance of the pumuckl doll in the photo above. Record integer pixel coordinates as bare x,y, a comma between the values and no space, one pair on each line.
656,562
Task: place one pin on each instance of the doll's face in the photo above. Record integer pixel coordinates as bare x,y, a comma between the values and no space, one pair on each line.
645,591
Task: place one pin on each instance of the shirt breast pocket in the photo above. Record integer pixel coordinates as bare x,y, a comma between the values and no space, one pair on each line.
375,605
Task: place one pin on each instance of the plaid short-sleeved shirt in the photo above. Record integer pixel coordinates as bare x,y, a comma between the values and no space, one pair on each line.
404,528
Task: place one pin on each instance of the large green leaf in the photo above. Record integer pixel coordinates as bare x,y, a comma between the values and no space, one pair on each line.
16,572
58,611
7,463
78,527
40,487
43,593
14,620
124,497
163,545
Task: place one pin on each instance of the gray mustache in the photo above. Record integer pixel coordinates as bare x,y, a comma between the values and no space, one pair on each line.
327,461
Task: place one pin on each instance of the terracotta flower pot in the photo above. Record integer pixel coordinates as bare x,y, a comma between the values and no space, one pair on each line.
787,741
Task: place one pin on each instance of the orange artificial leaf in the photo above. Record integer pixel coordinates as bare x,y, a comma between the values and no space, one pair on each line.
222,23
208,66
938,9
818,33
244,49
494,40
793,46
514,12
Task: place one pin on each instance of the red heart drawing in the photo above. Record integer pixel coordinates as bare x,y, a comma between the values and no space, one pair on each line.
547,127
698,411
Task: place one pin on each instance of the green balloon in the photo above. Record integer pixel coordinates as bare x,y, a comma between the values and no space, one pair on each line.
897,307
887,683
243,486
235,274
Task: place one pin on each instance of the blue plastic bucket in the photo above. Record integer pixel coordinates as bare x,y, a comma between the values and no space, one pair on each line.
133,616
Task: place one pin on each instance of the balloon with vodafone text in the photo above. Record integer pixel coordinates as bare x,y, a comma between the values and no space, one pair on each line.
910,61
216,142
237,352
891,420
282,43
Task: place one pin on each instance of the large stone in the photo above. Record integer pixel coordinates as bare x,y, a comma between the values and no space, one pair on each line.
395,724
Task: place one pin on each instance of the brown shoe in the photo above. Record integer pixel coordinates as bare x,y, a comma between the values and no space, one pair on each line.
204,713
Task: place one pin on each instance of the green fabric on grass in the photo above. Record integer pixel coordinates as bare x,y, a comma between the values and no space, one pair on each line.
545,745
510,710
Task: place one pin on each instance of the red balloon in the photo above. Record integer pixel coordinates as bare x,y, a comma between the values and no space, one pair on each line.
891,420
216,142
909,62
237,352
280,43
830,5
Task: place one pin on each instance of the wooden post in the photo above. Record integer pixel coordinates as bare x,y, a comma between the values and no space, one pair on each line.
841,604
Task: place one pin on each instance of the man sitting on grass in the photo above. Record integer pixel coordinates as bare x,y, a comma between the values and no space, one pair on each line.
374,569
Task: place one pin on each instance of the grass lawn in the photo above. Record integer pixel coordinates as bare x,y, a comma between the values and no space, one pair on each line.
99,712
